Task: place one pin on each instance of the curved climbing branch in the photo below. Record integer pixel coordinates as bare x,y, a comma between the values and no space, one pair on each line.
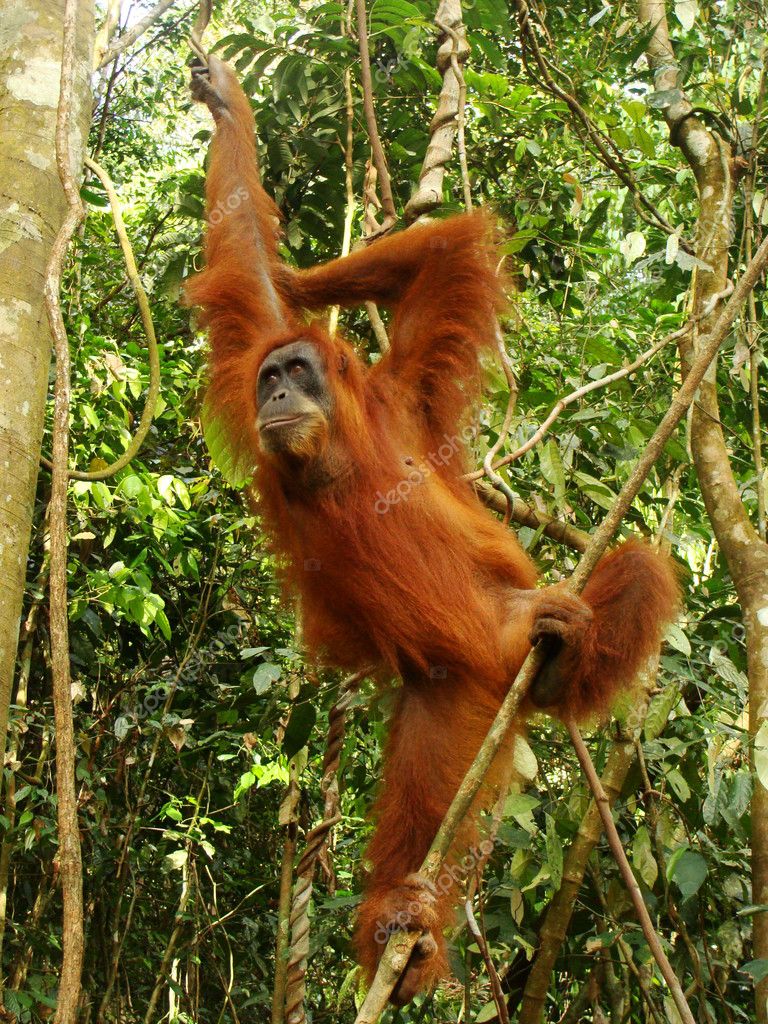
149,328
70,854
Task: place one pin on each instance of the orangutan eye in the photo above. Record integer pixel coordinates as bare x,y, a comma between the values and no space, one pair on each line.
297,367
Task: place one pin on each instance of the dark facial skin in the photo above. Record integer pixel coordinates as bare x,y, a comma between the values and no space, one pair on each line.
294,401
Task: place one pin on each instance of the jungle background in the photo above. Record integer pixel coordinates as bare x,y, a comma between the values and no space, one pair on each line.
199,729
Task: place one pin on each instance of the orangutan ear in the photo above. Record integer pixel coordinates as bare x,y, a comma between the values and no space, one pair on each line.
343,363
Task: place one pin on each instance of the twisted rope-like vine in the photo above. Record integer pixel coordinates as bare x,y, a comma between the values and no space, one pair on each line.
452,53
315,843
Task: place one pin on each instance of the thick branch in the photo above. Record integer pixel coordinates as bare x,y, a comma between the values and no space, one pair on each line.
522,513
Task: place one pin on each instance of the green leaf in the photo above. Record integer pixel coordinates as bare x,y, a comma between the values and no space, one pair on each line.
642,857
175,861
102,495
688,870
552,469
525,763
299,727
633,246
760,206
676,638
182,493
727,670
519,241
252,652
660,709
161,619
685,12
90,416
712,801
621,137
644,141
738,797
520,807
123,726
94,198
678,783
165,488
757,970
596,219
171,811
264,676
247,780
223,456
130,486
596,490
635,109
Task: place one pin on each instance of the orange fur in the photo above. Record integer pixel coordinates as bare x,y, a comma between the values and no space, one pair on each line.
408,574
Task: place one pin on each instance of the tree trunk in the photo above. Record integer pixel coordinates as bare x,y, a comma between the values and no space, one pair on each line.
32,208
745,552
